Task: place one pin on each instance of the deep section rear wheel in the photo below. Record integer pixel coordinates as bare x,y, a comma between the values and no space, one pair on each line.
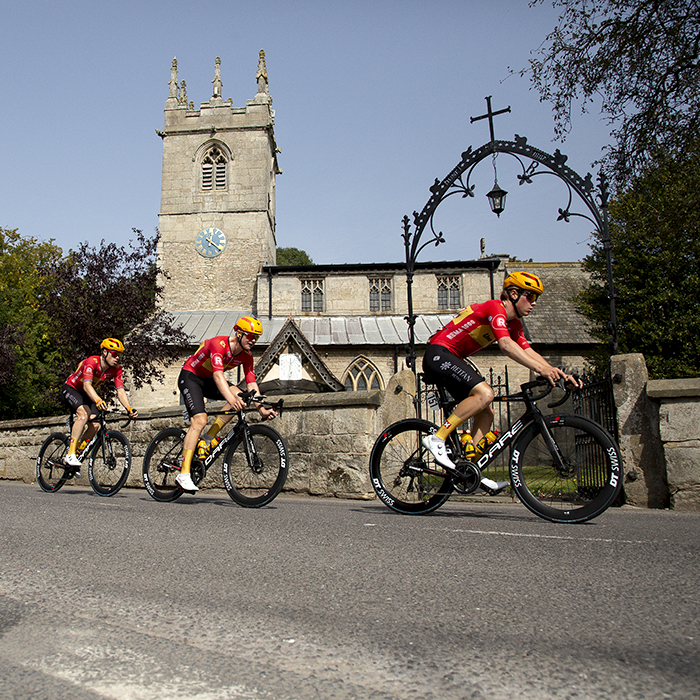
575,486
161,464
109,463
50,470
404,474
256,466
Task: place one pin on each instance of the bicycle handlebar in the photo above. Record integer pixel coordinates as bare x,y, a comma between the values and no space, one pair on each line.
544,383
249,397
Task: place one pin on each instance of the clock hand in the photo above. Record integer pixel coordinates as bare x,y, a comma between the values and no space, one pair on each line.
211,242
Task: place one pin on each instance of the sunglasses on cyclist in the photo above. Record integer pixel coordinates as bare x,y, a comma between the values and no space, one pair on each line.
532,297
251,336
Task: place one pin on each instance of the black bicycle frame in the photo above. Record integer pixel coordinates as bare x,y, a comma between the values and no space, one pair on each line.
532,415
211,458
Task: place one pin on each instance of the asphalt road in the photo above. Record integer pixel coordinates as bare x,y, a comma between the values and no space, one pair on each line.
200,599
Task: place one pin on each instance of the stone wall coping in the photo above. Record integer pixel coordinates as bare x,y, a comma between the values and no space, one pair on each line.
340,399
658,389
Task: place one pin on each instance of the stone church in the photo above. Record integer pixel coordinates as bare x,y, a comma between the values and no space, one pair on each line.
326,327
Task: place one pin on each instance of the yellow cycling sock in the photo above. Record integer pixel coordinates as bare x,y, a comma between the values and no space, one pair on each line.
454,421
73,446
186,461
215,427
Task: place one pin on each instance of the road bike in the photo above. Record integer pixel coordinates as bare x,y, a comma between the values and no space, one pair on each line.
108,454
253,475
564,468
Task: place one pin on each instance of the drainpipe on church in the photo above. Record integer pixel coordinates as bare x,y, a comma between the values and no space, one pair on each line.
269,293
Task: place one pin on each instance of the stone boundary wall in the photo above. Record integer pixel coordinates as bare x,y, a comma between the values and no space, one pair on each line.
329,438
677,404
659,434
638,433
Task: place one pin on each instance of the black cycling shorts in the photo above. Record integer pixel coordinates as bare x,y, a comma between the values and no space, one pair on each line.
443,367
73,399
194,389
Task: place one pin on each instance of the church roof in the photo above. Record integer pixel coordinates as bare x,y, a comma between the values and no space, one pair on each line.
318,330
551,324
555,320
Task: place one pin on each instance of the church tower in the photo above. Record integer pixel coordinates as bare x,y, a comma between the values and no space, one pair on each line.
217,211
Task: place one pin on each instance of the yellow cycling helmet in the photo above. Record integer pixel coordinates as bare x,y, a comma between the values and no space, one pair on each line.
248,324
112,344
524,280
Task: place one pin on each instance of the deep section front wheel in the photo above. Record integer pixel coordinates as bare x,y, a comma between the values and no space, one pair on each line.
109,463
51,472
161,464
256,466
404,474
571,478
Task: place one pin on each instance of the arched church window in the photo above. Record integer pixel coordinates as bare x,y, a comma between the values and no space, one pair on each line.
214,169
362,375
449,292
312,295
380,295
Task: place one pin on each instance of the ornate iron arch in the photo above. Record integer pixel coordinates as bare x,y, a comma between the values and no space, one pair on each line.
533,162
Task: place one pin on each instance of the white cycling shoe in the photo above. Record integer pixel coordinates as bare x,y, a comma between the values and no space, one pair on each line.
73,461
185,482
493,487
438,449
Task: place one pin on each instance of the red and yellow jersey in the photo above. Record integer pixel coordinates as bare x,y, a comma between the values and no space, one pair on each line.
90,370
476,327
214,355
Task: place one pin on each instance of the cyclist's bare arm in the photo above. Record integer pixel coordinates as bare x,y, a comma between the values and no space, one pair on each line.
124,401
92,394
534,361
265,412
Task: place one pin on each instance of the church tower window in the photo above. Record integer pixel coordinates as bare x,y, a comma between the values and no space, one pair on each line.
214,169
362,375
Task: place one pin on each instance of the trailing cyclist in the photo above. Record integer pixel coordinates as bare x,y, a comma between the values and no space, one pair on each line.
477,326
79,396
202,376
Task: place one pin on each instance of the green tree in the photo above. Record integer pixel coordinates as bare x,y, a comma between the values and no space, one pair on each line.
111,291
641,59
655,237
287,257
28,351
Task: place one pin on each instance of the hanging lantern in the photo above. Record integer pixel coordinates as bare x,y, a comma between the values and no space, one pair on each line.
497,199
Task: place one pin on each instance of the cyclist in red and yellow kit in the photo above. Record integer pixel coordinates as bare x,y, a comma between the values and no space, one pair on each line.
476,327
202,376
79,396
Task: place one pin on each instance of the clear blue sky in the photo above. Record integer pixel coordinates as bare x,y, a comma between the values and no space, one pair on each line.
372,103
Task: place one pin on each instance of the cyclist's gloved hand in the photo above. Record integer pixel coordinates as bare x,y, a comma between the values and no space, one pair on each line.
132,412
101,404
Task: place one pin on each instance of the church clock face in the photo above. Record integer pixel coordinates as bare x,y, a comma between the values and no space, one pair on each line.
210,242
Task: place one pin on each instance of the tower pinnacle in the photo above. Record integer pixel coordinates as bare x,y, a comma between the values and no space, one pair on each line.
261,77
173,97
217,79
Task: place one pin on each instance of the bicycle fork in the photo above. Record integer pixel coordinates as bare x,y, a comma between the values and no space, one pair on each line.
251,453
550,442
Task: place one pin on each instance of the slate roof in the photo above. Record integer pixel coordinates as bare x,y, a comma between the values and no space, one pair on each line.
555,320
318,330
